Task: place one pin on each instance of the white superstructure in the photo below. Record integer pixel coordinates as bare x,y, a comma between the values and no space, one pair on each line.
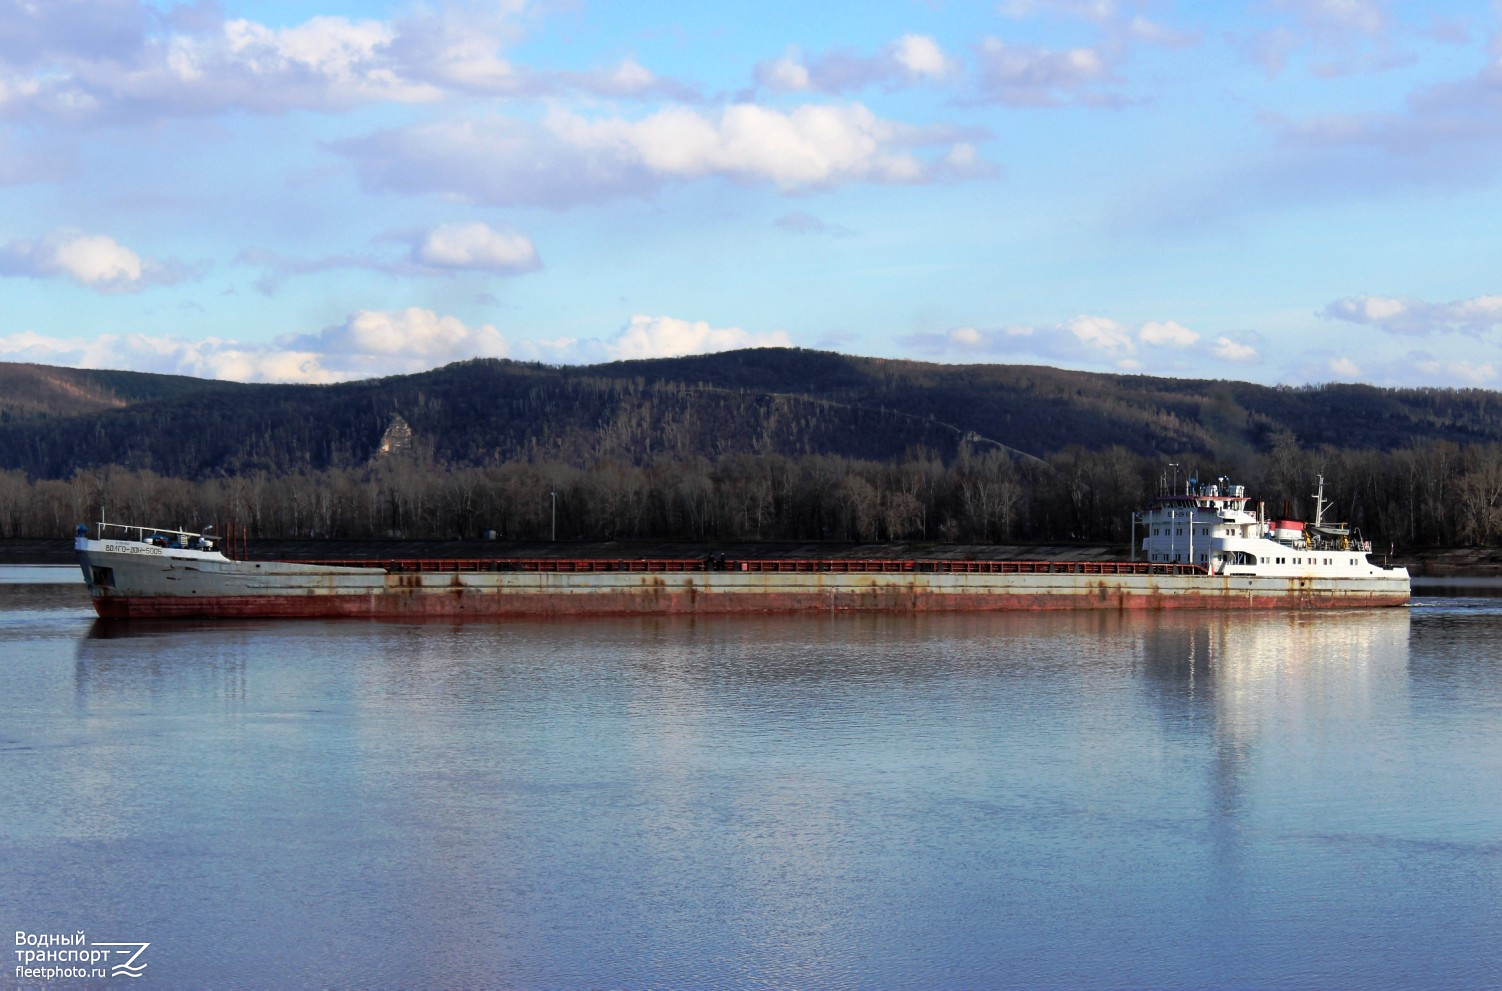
1212,526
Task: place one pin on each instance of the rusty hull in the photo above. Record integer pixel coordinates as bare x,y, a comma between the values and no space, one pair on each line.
162,588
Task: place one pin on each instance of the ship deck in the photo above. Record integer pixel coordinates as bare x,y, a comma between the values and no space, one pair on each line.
837,566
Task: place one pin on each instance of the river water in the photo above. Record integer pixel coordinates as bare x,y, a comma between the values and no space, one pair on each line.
1028,800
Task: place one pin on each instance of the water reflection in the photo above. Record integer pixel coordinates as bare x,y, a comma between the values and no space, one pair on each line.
1450,587
1014,799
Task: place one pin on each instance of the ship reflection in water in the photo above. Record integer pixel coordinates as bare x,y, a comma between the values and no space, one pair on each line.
1077,799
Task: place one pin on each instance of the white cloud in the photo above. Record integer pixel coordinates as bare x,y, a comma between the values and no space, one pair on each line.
911,59
571,159
1167,333
476,247
1235,351
29,346
205,358
1369,309
371,343
785,75
442,250
1028,76
1340,17
1345,368
326,63
1118,20
1340,38
460,48
1468,373
122,59
334,48
18,91
1088,10
558,350
1160,346
1003,339
962,159
39,32
418,336
1140,28
811,145
95,261
368,343
1403,315
668,337
966,337
1101,334
1415,369
922,57
628,78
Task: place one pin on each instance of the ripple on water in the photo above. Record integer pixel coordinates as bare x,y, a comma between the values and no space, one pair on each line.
1024,800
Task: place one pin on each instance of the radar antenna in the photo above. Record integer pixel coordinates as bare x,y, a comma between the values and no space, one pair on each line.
1320,505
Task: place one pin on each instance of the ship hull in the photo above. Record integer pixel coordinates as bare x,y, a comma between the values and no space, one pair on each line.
146,585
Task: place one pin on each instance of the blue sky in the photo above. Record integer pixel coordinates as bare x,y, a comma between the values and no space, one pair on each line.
1281,191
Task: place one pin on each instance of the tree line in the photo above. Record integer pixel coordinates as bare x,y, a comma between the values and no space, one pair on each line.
1434,493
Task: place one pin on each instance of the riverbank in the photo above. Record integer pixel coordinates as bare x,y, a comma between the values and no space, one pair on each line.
1435,562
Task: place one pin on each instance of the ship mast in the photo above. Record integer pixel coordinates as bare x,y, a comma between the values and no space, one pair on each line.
1320,505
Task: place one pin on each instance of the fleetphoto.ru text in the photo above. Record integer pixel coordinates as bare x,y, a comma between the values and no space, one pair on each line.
53,957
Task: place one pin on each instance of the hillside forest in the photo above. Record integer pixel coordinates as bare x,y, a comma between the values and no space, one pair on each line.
722,450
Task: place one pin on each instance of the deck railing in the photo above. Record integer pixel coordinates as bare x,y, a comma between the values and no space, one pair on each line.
162,536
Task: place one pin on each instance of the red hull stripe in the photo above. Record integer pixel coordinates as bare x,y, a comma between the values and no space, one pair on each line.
479,604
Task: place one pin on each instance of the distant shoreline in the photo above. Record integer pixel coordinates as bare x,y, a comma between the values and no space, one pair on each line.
1437,562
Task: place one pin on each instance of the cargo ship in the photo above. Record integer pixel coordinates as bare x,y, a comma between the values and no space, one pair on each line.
1201,547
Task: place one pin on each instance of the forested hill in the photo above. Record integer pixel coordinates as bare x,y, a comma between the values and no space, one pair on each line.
793,402
37,392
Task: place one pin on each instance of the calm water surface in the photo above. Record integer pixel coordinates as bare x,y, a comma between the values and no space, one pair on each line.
1034,801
